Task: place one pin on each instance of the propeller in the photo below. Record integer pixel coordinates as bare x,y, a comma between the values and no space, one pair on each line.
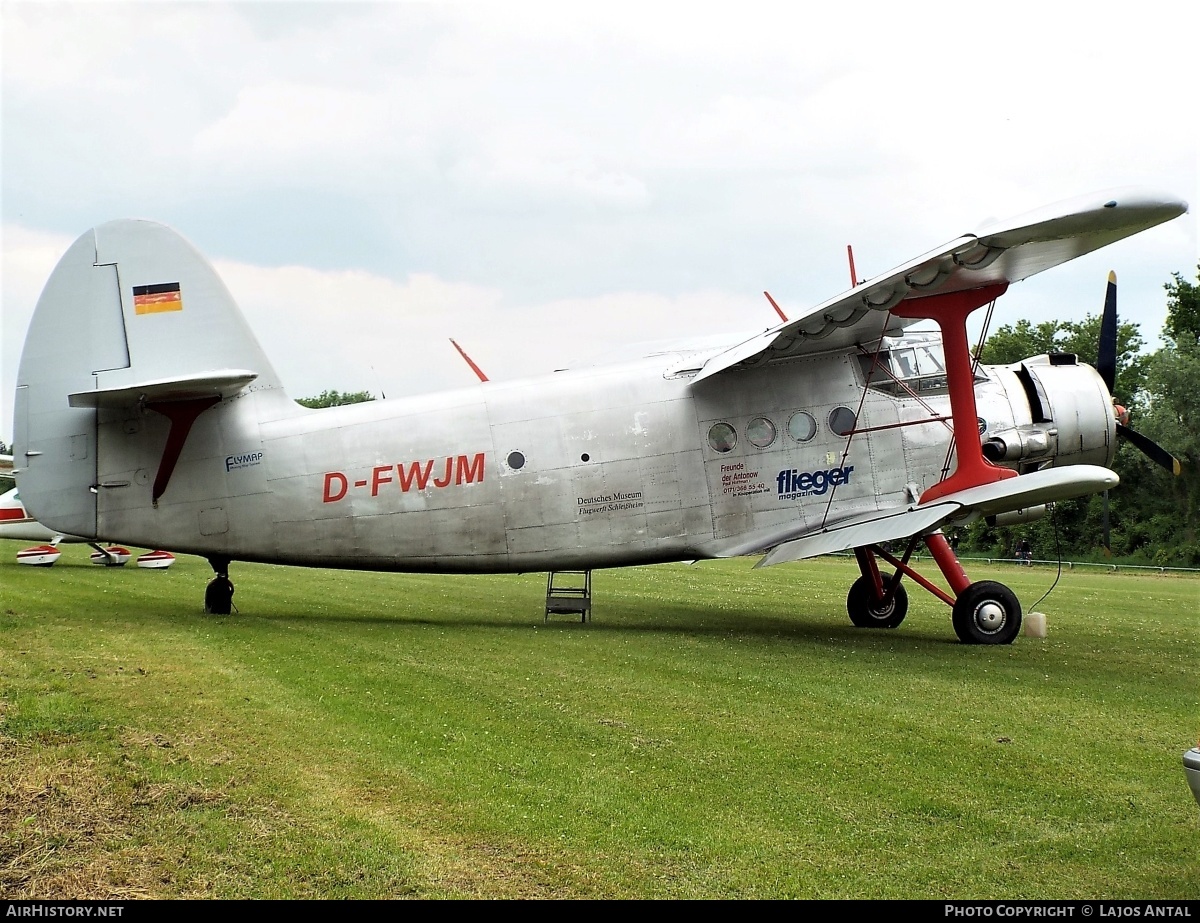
1106,361
1151,449
1106,365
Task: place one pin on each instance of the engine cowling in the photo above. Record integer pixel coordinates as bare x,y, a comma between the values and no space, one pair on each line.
1070,414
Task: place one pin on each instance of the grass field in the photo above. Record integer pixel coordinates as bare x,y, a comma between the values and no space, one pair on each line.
714,732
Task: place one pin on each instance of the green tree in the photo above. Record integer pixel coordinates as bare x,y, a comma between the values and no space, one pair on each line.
1173,419
6,479
336,399
1011,344
1020,341
1183,309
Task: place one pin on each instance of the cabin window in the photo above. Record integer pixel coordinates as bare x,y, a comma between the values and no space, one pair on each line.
802,426
722,437
761,432
842,421
516,461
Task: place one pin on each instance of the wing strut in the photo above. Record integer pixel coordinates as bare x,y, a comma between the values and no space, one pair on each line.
950,311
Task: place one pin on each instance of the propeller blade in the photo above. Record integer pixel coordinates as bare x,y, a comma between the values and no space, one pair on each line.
1151,449
1106,359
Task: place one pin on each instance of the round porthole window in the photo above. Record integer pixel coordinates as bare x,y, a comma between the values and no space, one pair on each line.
516,461
802,427
722,437
842,421
761,432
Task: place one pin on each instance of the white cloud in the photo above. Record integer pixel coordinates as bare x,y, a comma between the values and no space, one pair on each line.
354,331
28,256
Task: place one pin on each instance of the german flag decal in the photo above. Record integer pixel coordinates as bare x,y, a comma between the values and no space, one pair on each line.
154,299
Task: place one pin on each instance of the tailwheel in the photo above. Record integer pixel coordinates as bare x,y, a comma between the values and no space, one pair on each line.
987,612
868,612
218,595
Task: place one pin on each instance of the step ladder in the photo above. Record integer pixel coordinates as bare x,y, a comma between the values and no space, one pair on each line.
569,592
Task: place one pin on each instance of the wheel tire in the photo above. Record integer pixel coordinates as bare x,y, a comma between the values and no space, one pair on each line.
218,596
987,613
866,612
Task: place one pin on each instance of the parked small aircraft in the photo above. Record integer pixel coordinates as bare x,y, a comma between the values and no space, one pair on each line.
146,412
15,522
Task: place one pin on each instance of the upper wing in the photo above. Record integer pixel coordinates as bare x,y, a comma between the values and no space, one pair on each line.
1003,251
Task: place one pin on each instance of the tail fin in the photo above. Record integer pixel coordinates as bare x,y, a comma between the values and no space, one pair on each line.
133,319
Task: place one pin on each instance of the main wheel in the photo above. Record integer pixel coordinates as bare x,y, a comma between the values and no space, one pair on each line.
867,612
218,596
987,613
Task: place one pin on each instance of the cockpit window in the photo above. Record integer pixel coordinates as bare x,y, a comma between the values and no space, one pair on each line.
909,365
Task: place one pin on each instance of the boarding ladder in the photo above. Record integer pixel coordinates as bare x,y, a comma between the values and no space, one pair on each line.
569,592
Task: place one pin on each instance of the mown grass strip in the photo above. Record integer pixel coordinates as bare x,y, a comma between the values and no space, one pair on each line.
713,732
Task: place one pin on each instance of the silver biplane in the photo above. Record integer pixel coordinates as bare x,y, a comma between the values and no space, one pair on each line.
147,413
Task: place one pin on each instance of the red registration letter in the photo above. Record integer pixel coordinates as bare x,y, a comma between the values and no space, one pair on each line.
378,477
331,478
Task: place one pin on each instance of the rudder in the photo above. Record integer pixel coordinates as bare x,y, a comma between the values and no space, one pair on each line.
132,321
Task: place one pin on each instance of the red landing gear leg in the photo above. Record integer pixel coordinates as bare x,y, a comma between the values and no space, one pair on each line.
985,612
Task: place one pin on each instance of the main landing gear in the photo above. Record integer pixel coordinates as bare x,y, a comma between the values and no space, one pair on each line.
985,612
218,595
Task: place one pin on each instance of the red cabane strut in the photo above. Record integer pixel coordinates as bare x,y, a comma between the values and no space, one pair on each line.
950,311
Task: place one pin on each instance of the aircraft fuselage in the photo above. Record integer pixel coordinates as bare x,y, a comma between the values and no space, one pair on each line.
598,467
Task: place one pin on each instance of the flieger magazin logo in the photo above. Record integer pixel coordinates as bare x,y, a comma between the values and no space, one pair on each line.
792,483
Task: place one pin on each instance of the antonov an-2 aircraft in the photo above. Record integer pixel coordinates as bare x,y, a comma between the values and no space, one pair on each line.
147,413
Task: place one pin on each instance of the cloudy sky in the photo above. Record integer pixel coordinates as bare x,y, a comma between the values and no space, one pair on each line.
554,183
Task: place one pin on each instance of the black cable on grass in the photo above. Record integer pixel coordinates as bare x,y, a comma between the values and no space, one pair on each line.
1057,554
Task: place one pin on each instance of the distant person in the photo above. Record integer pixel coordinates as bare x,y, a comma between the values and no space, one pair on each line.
1025,553
954,538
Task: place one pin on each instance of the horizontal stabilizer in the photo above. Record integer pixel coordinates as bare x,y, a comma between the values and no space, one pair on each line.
1028,490
222,383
